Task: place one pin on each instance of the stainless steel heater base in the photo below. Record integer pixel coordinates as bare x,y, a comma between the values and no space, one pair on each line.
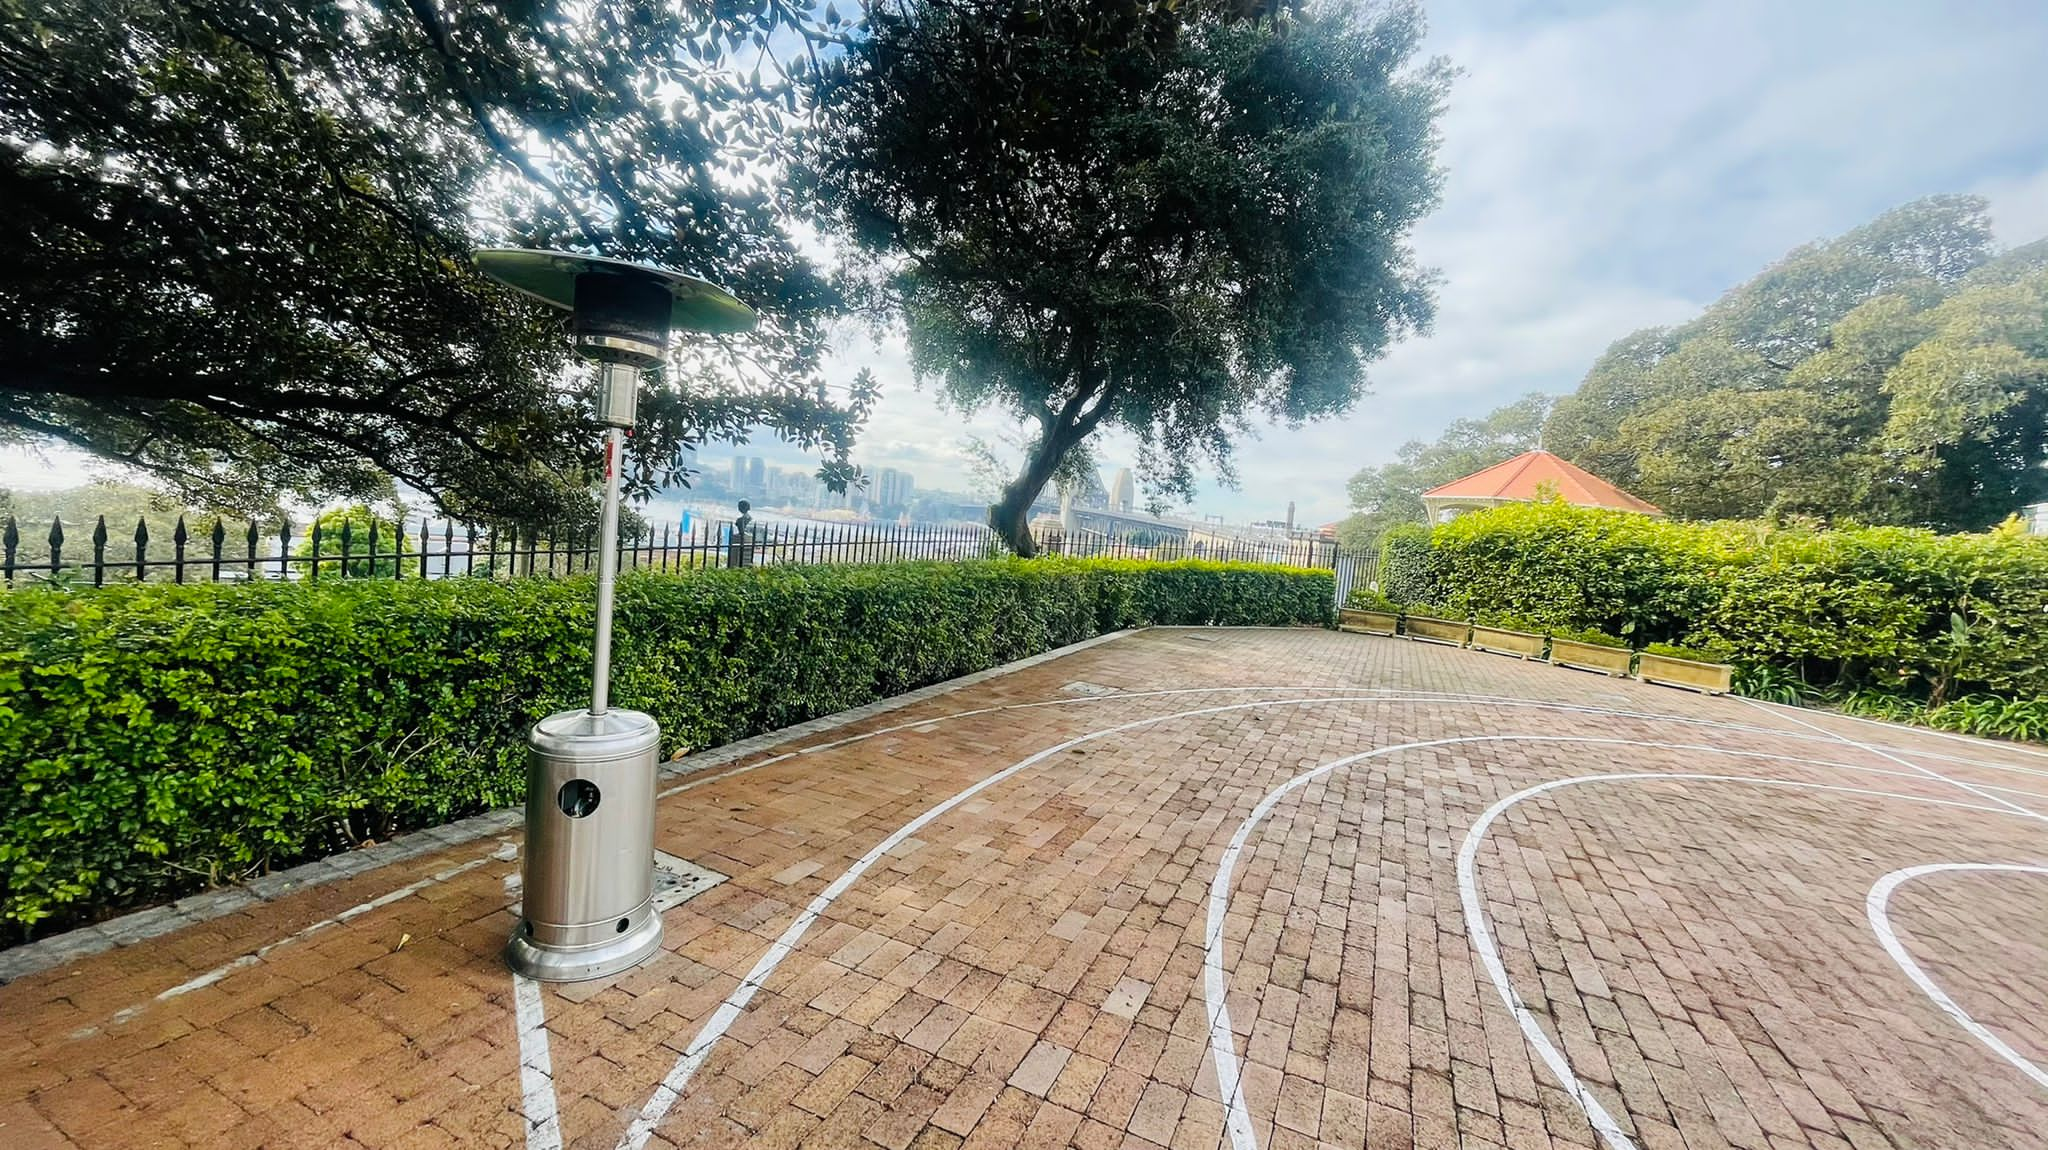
586,905
561,964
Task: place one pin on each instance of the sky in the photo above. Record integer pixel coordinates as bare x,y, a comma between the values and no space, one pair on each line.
1609,166
1616,166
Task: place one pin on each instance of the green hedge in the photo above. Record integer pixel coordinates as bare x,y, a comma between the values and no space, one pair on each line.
1931,616
1406,574
157,739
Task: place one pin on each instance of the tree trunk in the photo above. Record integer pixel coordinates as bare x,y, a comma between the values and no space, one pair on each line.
1010,516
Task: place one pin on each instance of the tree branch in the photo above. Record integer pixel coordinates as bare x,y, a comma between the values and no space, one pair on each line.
451,66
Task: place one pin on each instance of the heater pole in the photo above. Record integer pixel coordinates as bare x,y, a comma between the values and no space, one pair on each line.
587,905
607,568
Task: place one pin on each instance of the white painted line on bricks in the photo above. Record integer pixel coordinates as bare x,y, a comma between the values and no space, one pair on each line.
1874,906
1458,696
1932,774
1215,986
671,1086
505,851
670,1089
1904,728
1482,937
536,1071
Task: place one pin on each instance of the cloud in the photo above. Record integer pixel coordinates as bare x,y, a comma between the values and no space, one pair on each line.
1617,166
1610,166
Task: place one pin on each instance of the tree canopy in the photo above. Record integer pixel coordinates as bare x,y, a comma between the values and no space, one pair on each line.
1163,217
1897,374
1391,493
237,251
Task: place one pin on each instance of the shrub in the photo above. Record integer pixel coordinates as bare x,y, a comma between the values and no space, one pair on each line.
1406,574
157,738
1674,651
1509,621
1771,684
1903,611
1588,635
1991,716
1363,598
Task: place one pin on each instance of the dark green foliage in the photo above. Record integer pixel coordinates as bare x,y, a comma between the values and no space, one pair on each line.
239,235
1675,651
154,739
1162,217
1406,573
356,523
1896,374
1772,684
1897,609
1364,598
1510,621
1589,635
1992,716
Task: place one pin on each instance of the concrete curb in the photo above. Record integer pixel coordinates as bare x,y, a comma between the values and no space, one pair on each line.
142,925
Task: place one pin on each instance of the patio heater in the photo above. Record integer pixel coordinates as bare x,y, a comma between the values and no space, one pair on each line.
589,867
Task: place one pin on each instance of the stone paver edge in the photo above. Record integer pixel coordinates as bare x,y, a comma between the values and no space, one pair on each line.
141,925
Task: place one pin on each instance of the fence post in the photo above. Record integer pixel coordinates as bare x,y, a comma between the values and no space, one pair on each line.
178,538
10,538
250,560
141,549
99,553
56,544
284,548
220,538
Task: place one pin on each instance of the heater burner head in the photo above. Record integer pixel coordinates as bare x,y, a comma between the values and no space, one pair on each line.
623,311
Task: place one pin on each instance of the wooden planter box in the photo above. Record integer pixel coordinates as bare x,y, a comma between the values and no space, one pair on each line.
1712,678
1453,632
1502,641
1590,656
1367,622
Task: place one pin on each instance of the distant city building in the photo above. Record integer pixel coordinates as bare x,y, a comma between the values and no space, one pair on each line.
2036,518
1122,490
739,473
894,488
1526,478
757,475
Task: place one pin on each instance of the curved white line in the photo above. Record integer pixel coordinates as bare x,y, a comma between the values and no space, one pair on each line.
670,1089
1215,984
671,1086
1874,906
1391,692
1482,937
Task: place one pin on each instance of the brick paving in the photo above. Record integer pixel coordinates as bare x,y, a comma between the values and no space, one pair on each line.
1027,969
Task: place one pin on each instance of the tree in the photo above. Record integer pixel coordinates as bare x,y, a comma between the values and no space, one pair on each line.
1391,493
355,526
237,251
1892,375
1161,217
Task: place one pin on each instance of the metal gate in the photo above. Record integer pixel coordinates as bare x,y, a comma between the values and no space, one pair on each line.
1355,569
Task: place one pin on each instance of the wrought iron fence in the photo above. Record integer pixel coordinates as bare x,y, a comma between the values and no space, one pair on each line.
232,551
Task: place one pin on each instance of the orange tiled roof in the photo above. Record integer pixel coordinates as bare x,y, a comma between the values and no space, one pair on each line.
1519,478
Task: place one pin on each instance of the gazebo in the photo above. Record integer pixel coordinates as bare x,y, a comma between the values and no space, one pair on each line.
1526,478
